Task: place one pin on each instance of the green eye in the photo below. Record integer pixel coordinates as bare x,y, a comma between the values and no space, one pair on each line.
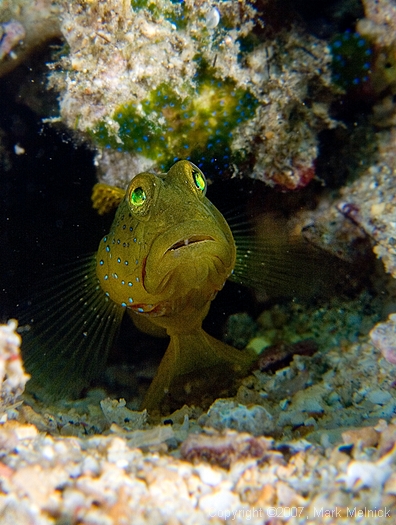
199,178
138,196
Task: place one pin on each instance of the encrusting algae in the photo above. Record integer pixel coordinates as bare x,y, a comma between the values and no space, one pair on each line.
169,251
238,88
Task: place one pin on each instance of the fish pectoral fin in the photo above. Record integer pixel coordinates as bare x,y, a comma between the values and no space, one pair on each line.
68,329
195,354
106,198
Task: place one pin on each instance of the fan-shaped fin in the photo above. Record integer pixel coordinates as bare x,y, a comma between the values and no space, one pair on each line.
275,262
67,331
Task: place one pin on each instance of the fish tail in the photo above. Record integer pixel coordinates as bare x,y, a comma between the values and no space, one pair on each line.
67,331
195,352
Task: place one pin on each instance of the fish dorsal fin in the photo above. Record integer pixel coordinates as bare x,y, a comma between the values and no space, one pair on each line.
106,198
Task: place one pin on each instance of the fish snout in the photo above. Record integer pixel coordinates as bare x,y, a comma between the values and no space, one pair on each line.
176,264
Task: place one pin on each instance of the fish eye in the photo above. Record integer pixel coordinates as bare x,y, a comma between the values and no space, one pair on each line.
138,196
199,178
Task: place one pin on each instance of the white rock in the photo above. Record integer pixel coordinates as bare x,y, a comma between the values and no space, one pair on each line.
368,474
212,19
379,397
208,475
219,504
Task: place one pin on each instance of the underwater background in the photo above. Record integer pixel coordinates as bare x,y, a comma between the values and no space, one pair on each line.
288,108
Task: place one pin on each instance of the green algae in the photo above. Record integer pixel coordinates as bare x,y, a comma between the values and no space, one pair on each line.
351,59
166,126
174,11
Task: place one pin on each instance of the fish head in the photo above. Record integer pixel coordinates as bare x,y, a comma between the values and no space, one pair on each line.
194,247
167,240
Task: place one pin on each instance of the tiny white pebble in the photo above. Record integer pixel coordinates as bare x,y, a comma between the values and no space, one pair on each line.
48,453
212,19
19,150
26,432
221,501
91,466
208,475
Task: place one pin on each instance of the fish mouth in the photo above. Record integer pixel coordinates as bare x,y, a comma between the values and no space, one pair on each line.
188,241
184,255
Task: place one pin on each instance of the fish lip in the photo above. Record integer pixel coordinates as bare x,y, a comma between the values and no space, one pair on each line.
188,241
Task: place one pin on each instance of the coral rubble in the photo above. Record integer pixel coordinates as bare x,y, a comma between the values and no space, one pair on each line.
12,375
373,197
152,82
316,435
214,477
310,436
383,336
378,27
25,26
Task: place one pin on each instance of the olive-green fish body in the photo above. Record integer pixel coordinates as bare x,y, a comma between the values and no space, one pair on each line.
169,251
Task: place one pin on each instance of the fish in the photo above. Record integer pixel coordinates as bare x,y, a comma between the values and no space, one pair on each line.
168,253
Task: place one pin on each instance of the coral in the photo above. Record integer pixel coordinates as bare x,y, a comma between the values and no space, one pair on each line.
12,375
383,336
227,413
379,22
379,28
152,82
165,127
372,200
224,449
24,27
117,412
362,216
